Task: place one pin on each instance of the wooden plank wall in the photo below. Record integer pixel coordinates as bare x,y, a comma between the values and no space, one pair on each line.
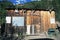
42,16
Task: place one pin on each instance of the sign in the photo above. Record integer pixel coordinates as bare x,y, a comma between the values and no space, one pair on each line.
17,21
52,20
8,19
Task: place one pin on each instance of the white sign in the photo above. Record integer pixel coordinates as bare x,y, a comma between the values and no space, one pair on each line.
18,21
52,20
8,19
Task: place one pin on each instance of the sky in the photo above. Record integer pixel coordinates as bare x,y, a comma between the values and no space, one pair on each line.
21,1
18,1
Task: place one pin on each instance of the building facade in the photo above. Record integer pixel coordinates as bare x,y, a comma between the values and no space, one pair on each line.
35,21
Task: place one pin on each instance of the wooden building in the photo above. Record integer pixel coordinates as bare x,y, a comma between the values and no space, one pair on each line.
36,20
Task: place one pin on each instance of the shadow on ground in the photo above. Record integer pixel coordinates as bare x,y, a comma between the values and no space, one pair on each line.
42,39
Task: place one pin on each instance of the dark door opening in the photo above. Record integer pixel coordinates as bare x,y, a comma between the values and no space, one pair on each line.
2,29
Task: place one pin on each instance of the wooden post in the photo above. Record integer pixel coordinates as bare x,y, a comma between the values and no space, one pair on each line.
28,21
42,21
52,18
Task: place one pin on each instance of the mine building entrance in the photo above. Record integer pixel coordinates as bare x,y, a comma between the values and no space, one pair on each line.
35,21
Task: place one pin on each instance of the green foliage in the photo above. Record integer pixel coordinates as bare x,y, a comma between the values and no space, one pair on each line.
32,5
38,5
3,5
2,16
57,9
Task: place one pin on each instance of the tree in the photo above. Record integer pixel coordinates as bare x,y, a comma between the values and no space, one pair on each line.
3,6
